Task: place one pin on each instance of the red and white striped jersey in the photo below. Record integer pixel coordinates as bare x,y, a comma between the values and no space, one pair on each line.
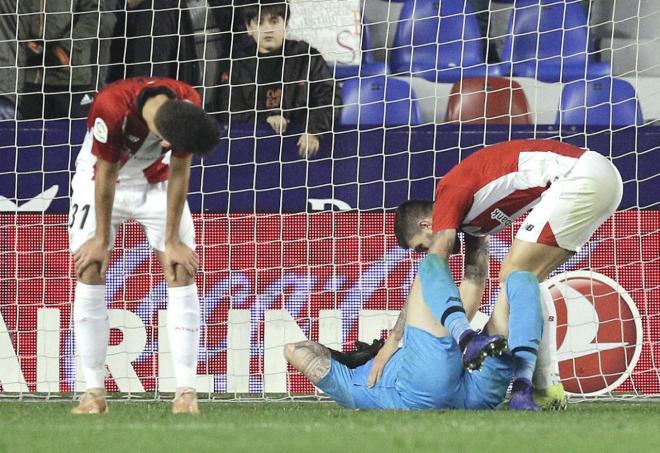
487,191
118,133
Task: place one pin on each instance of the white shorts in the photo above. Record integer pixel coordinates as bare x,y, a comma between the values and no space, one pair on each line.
576,205
145,203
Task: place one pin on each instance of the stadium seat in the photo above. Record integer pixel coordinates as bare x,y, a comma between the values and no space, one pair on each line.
549,40
439,41
492,100
604,102
379,101
368,66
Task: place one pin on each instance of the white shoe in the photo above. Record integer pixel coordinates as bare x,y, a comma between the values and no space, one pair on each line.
92,402
185,401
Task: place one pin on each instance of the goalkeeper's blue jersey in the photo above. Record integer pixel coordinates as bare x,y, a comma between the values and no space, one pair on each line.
425,373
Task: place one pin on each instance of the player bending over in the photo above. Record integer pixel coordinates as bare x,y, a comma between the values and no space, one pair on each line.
427,372
570,192
135,164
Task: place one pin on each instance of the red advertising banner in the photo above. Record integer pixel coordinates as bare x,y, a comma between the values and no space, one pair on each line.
330,277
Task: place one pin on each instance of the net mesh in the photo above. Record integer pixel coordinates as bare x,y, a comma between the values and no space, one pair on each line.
295,248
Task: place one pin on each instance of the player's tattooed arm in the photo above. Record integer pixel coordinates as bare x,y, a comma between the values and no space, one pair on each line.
474,274
397,331
310,358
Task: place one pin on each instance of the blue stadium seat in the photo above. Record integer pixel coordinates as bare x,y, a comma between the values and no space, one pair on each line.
368,66
379,101
549,40
439,41
602,102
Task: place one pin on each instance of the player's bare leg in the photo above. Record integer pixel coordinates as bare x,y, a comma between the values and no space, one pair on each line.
183,321
92,331
310,358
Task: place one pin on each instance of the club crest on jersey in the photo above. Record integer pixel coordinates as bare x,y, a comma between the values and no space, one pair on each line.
100,130
501,217
599,332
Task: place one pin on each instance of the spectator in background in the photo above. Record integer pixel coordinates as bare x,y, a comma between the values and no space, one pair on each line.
482,10
214,30
58,65
187,40
159,41
279,81
8,59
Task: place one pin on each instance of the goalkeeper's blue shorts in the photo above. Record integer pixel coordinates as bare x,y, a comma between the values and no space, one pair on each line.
425,373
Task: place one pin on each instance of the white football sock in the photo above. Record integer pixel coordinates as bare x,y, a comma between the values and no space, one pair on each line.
183,332
92,330
547,364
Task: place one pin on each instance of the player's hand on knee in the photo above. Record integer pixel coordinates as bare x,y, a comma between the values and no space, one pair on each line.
178,253
381,359
93,251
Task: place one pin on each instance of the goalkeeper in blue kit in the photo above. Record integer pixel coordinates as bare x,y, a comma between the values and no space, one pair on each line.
432,368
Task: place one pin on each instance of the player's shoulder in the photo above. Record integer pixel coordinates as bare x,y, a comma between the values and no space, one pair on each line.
114,98
107,112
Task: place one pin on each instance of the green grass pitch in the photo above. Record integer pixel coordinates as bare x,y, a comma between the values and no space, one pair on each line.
319,427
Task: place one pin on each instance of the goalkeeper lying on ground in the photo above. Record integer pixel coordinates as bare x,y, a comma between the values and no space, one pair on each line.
429,370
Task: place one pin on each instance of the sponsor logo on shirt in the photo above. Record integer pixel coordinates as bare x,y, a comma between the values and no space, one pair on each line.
501,217
100,130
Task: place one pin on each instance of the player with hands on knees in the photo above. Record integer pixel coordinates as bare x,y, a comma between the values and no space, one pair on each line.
134,164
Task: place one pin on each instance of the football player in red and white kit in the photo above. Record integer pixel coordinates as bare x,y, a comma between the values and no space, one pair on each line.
570,192
135,164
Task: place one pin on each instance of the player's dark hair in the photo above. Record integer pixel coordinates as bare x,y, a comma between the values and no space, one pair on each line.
407,217
187,127
258,11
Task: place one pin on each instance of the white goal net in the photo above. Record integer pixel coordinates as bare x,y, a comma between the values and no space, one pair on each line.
294,247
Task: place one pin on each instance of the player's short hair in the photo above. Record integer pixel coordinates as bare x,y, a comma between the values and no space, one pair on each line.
258,11
407,217
187,127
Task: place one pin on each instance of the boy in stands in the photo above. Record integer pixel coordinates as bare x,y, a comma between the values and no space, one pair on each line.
280,81
135,164
570,192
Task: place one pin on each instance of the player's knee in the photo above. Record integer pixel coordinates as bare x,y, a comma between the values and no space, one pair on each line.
92,276
182,279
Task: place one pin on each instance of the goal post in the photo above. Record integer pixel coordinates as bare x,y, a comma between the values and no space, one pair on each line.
293,248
